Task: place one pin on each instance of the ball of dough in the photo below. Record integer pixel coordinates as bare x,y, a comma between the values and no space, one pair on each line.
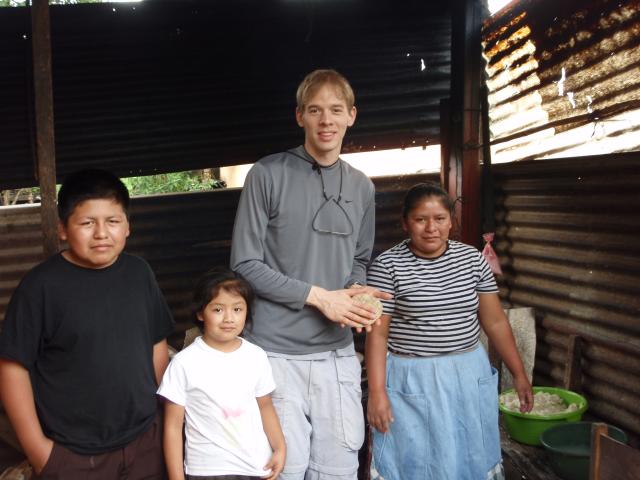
371,301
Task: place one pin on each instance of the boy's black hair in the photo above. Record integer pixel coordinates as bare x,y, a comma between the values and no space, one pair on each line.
214,280
87,184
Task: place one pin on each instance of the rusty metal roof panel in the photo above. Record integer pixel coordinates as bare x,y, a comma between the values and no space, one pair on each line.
563,78
178,85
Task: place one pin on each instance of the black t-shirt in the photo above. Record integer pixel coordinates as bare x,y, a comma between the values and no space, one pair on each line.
87,336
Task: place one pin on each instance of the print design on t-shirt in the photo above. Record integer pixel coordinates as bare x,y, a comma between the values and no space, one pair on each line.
236,424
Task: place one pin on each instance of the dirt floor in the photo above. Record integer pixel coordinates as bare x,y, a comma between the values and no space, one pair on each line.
511,472
9,457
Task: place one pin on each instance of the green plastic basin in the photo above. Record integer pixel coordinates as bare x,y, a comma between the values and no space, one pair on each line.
527,428
568,447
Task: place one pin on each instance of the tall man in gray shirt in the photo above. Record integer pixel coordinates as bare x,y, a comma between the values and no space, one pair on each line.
303,236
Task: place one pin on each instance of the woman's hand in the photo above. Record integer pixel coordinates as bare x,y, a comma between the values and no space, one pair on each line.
496,325
372,291
525,392
276,464
379,411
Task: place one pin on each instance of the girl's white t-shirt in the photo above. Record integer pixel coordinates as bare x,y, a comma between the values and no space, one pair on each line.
223,426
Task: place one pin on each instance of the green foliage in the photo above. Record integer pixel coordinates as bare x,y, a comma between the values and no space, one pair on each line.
23,3
20,195
190,181
74,2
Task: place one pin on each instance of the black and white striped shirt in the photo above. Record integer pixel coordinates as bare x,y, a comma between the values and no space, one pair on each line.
434,309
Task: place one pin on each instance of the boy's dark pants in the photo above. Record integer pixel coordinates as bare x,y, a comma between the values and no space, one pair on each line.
221,477
140,459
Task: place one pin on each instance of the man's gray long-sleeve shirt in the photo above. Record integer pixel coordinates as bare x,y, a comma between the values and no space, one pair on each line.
276,248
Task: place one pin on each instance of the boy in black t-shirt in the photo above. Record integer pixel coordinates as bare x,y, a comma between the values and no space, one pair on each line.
83,345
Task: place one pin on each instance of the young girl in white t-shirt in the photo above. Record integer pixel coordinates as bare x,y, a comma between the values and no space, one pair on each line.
219,387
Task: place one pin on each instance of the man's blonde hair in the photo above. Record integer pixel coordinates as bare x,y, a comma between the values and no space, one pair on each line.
315,80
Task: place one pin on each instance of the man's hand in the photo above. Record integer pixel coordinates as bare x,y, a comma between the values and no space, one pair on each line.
339,306
375,293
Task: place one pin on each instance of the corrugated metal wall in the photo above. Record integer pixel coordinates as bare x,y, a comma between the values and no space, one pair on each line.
174,85
563,78
568,238
181,235
20,247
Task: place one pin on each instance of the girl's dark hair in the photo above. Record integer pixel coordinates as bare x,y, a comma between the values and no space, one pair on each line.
90,184
422,190
209,285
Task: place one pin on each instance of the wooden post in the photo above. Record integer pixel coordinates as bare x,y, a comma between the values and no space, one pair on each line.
43,103
450,173
573,367
445,141
464,162
597,430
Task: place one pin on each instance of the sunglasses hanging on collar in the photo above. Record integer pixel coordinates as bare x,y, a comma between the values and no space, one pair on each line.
327,208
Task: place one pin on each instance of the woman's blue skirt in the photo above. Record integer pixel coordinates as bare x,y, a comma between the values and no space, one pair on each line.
445,411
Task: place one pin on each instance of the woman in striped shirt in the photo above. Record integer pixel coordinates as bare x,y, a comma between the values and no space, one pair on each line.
433,400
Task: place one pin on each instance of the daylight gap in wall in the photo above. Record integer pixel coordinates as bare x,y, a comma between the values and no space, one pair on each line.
373,164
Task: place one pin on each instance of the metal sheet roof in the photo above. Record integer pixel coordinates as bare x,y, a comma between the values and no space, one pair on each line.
176,85
563,78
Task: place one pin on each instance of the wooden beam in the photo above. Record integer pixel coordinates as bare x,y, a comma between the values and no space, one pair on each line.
466,80
487,187
450,173
573,367
617,461
598,430
445,141
44,133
